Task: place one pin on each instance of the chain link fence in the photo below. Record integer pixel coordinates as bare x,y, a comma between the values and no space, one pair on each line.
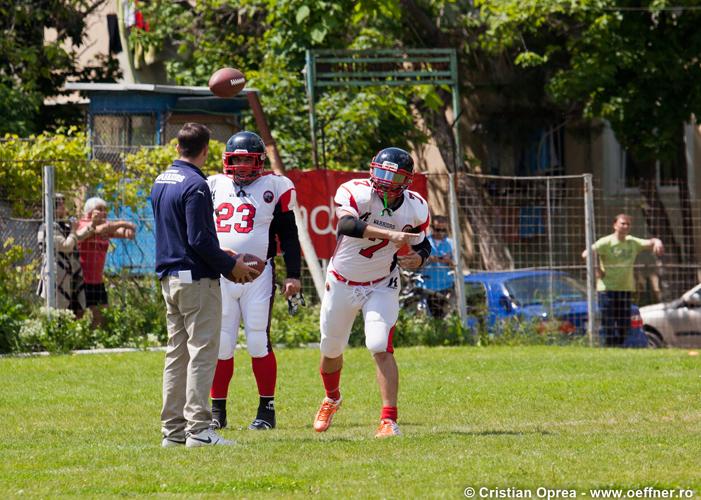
125,259
667,213
506,224
515,227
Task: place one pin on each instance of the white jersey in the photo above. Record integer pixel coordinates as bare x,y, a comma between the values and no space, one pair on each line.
361,259
242,214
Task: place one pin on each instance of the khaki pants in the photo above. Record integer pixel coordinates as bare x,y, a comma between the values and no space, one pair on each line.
193,315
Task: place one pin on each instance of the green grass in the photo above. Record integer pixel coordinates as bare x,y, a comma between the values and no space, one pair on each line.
508,417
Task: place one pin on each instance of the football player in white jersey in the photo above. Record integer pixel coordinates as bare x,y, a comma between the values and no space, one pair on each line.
377,216
252,212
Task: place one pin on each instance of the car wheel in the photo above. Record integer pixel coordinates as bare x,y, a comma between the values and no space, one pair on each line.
654,339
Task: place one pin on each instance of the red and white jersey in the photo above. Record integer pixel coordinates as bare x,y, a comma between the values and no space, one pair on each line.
361,259
242,214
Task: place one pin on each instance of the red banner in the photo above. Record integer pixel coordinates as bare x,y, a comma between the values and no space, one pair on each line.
315,192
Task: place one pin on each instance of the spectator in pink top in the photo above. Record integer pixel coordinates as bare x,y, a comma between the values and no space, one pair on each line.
93,251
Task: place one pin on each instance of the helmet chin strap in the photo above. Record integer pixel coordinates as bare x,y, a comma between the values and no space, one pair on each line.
386,210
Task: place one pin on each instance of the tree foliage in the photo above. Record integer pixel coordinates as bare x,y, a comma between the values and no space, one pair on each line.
523,63
143,166
634,63
267,39
35,63
22,162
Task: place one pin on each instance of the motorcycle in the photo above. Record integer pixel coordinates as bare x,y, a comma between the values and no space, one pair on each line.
414,297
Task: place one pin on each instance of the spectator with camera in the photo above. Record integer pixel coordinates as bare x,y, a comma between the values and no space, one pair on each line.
93,251
70,290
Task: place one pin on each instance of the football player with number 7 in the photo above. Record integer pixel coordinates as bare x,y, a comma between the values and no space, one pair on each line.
252,212
377,217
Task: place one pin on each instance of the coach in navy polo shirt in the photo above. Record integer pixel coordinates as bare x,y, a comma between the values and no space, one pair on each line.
189,263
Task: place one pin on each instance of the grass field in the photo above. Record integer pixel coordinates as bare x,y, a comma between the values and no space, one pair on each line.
497,417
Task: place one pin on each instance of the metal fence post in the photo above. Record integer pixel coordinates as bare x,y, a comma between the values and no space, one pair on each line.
309,251
457,259
49,250
551,265
592,323
309,80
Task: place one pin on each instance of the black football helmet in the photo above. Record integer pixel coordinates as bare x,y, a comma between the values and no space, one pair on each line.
391,171
244,157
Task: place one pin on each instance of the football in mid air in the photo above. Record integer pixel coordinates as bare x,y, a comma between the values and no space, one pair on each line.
252,261
227,82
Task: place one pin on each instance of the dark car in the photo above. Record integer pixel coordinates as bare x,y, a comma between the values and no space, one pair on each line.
534,296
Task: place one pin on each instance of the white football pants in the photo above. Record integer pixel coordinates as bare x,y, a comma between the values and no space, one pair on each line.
379,303
252,302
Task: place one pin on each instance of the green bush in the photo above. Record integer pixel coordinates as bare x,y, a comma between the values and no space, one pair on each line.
18,280
22,160
58,331
135,316
12,314
418,329
294,331
514,332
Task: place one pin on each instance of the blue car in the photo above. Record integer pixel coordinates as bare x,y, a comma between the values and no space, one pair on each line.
534,296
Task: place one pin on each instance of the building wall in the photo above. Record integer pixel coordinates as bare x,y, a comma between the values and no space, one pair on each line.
96,42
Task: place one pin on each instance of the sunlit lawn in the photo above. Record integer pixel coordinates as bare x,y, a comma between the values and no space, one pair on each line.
520,417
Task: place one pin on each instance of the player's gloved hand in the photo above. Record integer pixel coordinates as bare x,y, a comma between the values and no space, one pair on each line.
241,273
412,260
294,302
290,287
404,238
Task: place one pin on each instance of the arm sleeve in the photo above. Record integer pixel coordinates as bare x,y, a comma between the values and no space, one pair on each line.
639,243
200,229
423,249
345,201
422,217
64,244
351,226
599,244
284,227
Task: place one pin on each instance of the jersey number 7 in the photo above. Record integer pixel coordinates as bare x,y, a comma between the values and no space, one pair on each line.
368,252
226,211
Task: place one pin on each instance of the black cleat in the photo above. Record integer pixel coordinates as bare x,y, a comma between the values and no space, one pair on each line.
263,424
218,419
265,417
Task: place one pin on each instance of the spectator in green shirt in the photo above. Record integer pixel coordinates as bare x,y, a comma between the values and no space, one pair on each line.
615,282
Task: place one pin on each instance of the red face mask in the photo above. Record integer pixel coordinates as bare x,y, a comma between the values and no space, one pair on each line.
386,178
243,167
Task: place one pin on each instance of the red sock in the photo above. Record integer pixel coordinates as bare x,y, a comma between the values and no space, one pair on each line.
389,412
222,377
265,371
332,384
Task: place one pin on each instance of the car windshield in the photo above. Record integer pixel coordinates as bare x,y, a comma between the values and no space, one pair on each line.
544,288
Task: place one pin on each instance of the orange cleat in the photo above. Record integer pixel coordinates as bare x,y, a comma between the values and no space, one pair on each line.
387,428
324,416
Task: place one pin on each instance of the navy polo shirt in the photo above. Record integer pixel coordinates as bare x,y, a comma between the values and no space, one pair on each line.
185,236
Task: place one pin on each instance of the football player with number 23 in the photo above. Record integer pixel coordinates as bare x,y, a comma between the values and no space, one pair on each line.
377,217
251,212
